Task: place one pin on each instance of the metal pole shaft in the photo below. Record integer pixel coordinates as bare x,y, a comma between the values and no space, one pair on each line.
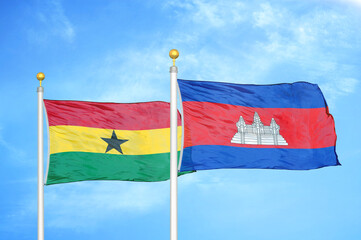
40,91
173,155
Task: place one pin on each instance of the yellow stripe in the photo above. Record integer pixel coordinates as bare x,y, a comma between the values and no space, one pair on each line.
85,139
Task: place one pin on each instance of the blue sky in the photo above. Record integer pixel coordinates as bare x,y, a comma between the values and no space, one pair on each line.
118,51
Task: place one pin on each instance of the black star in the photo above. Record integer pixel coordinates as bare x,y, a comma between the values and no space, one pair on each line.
114,142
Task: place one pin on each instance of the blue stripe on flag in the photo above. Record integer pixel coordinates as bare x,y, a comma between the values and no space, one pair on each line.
286,95
214,157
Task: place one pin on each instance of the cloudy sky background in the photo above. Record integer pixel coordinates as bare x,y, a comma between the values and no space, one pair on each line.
118,51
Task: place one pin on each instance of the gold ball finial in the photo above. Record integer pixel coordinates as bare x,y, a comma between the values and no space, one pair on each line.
40,76
173,54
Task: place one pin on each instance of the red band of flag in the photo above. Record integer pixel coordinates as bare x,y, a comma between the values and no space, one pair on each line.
215,124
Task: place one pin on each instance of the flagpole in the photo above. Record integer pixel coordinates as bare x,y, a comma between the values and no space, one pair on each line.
40,76
173,148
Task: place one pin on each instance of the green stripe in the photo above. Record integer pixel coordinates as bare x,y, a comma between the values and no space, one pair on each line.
81,166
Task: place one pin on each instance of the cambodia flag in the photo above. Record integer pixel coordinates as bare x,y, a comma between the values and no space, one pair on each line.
280,126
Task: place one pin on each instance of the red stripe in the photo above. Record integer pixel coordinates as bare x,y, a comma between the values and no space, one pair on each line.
215,124
122,116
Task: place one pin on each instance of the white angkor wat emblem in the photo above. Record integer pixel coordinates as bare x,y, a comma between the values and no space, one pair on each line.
257,133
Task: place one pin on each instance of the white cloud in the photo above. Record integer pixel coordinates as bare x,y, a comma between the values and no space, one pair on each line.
348,85
123,75
214,186
83,206
335,88
13,151
138,75
356,3
53,22
211,13
267,15
86,204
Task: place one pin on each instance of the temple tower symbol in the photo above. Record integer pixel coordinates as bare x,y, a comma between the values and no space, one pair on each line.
257,133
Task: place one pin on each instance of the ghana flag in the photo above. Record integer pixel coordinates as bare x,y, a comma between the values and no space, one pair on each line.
108,141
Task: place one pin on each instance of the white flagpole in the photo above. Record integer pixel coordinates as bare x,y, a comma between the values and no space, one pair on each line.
40,76
173,148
